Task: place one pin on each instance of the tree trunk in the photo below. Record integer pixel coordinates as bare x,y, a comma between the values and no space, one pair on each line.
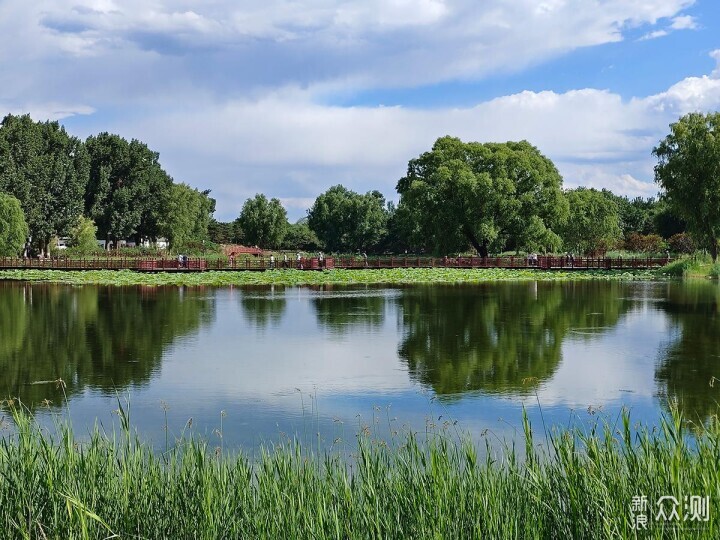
482,249
714,250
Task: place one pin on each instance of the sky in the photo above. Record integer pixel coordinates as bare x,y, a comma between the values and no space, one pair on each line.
290,97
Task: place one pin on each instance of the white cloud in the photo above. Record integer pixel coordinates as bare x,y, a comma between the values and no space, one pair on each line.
232,48
655,34
684,22
232,94
681,22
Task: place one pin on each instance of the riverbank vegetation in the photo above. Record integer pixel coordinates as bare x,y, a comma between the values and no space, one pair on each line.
586,481
458,197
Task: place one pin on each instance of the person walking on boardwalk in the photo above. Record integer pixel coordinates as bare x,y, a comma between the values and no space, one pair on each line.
285,260
272,261
299,261
365,258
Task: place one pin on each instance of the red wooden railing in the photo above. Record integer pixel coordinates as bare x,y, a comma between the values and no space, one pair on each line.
197,264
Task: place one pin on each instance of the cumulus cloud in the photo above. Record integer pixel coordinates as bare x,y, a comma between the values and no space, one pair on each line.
228,48
295,147
233,95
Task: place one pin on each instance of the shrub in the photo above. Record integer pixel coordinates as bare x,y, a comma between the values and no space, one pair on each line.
646,243
681,243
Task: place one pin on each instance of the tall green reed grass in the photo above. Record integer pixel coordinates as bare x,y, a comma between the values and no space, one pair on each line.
576,483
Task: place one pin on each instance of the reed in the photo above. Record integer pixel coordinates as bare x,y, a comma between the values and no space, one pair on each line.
578,483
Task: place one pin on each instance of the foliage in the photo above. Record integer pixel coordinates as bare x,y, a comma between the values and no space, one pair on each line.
346,221
46,170
188,214
487,195
593,224
83,236
13,229
636,215
681,243
678,268
128,191
573,482
263,222
688,171
646,243
299,236
221,232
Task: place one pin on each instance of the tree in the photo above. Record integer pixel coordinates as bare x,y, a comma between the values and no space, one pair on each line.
263,222
83,236
224,232
47,171
128,191
300,237
13,229
688,171
188,215
485,195
593,223
347,221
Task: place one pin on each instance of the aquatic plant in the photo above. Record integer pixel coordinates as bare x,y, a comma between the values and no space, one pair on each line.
577,483
299,277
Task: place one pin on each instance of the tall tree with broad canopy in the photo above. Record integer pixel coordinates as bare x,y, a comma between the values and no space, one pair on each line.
13,229
188,215
128,190
47,171
490,196
263,222
593,225
688,171
348,221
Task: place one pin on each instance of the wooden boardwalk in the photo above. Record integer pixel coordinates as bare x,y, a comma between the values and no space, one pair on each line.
196,264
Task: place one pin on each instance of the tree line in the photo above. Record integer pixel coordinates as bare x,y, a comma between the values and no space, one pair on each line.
455,198
105,186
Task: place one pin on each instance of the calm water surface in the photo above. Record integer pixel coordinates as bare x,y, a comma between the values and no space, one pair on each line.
301,361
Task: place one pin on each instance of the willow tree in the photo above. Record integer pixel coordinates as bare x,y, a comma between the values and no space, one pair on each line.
489,196
13,229
688,171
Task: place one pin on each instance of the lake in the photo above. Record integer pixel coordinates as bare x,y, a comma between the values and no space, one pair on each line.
260,364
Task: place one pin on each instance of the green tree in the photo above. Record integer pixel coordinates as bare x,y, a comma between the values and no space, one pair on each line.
263,222
299,236
83,236
47,171
128,191
13,229
347,221
688,171
593,224
188,215
224,232
485,195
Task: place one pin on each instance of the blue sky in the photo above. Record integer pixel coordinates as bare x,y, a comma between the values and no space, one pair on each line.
291,97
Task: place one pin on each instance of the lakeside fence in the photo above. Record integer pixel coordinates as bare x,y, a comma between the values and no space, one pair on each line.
199,264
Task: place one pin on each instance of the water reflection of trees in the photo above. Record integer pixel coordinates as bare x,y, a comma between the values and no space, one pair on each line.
263,306
493,337
688,364
349,309
90,337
